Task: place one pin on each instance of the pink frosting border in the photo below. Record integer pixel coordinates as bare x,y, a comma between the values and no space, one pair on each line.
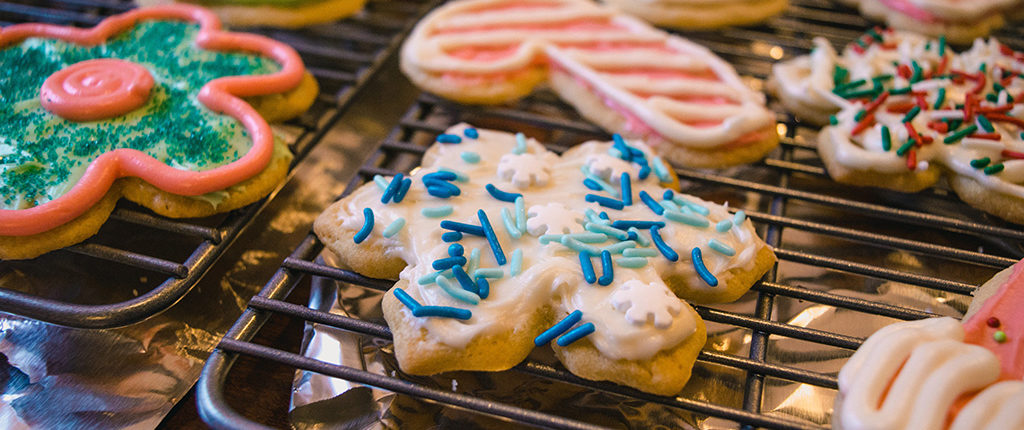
221,95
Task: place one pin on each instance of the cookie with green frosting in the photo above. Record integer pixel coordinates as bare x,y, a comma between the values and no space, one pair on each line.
274,13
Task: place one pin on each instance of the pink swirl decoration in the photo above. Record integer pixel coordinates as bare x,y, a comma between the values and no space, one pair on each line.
96,89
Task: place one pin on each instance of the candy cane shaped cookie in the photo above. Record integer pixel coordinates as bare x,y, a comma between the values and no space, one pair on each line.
617,71
939,373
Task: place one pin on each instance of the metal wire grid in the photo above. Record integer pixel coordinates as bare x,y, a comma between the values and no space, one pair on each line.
342,56
933,226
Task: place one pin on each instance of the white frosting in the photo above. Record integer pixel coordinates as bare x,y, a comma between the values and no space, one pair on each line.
635,316
928,367
650,75
958,10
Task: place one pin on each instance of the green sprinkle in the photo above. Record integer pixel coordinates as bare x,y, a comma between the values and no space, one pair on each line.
905,147
912,113
721,248
886,138
517,262
870,92
993,169
942,46
470,157
997,87
940,98
882,78
619,247
849,86
631,262
999,336
640,252
489,273
916,76
860,115
393,228
899,91
839,75
874,35
955,137
980,162
985,124
983,68
437,211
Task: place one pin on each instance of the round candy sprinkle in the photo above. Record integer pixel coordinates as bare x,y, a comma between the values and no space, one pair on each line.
999,336
993,322
456,250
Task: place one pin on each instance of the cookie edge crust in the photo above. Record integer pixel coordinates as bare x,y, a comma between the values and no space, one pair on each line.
702,16
283,17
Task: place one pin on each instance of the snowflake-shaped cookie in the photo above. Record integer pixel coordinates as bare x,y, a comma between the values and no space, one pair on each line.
643,302
524,170
552,218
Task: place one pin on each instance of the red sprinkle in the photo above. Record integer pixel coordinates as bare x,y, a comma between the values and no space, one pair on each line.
980,77
921,101
939,126
987,136
912,159
1013,154
864,123
888,46
901,107
969,107
993,322
921,140
876,102
857,48
1005,50
998,117
994,109
942,65
904,71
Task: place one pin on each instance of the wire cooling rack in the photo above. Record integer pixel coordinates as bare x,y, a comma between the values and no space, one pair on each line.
852,238
341,55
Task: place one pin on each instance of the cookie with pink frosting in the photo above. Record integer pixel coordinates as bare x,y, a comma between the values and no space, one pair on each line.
940,373
701,14
147,106
617,71
500,246
961,21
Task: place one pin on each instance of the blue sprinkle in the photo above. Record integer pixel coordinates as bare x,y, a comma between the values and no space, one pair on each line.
608,188
404,188
457,293
645,171
591,216
663,247
669,205
604,215
588,268
448,262
687,218
559,328
667,195
627,189
517,262
632,262
393,186
393,228
660,170
606,230
451,236
592,184
471,133
520,144
367,226
459,176
442,189
449,138
521,214
643,225
492,239
474,261
442,311
548,238
722,248
381,182
679,200
463,228
501,195
489,273
439,192
441,176
456,250
578,246
483,287
428,278
589,237
510,224
464,281
470,157
437,212
575,334
639,238
605,201
406,299
723,226
651,203
607,271
640,252
738,219
702,271
619,247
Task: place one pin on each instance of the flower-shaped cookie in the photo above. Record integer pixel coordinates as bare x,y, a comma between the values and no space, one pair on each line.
151,93
488,270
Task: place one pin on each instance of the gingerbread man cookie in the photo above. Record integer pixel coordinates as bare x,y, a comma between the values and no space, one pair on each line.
500,246
144,106
618,72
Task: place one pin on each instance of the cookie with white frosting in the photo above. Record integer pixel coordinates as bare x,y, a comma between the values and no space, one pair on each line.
939,373
617,71
959,20
701,14
500,246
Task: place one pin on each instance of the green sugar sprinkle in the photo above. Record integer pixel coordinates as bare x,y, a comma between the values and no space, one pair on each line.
860,115
886,138
912,113
942,46
940,98
916,76
899,91
172,126
833,120
849,86
980,162
905,147
993,169
839,75
955,137
985,124
874,35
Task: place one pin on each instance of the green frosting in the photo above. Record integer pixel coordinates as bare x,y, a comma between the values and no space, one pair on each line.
278,3
42,155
